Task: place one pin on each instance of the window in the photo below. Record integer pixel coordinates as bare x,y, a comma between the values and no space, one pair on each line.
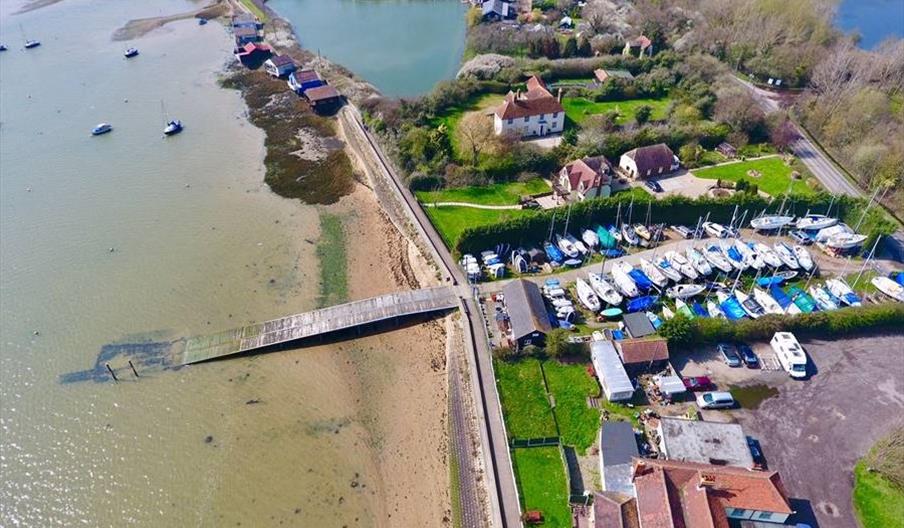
511,121
555,115
765,516
527,119
737,512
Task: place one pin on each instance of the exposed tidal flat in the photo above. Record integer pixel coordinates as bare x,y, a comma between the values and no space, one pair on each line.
349,433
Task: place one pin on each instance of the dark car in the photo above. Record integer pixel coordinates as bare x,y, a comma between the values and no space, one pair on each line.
653,186
756,452
729,354
698,384
750,359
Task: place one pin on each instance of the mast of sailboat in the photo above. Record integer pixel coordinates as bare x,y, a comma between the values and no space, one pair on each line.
869,257
567,219
869,205
831,202
552,223
618,217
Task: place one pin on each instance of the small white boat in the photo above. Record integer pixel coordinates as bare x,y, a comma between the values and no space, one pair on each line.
642,231
769,304
605,290
682,264
567,247
889,287
101,128
629,236
587,296
840,289
668,270
590,238
623,281
823,235
578,245
845,241
714,311
471,267
803,257
823,299
770,222
698,261
814,222
172,127
767,254
131,52
716,230
654,273
751,258
734,257
32,44
654,320
786,255
667,313
752,308
519,262
715,257
685,291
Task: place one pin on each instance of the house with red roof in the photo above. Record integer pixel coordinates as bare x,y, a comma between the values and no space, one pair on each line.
535,112
586,178
641,45
671,494
649,161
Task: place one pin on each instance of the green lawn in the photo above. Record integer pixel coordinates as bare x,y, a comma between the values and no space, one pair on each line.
580,108
878,502
774,175
570,384
451,221
495,194
333,261
540,474
524,403
453,114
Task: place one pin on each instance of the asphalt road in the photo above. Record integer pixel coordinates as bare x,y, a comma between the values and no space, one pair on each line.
814,431
503,494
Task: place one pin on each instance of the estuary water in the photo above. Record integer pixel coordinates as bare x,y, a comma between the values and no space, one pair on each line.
128,239
403,47
874,20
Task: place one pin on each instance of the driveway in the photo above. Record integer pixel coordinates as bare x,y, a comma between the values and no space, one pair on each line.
681,182
814,431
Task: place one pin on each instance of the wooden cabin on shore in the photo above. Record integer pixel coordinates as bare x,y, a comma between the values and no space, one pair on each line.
323,99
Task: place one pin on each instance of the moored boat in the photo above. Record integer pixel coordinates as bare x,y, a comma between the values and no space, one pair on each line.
131,52
770,222
715,257
815,222
889,287
101,128
685,291
172,127
750,305
587,296
786,255
668,270
823,299
769,304
654,273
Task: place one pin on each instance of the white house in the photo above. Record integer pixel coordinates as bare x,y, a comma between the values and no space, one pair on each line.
648,162
535,112
280,65
586,178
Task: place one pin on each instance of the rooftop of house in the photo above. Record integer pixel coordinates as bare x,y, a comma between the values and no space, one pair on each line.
593,172
618,447
254,47
498,7
621,74
638,324
526,309
651,156
282,60
536,100
242,31
614,510
303,76
321,93
705,442
672,493
644,350
640,42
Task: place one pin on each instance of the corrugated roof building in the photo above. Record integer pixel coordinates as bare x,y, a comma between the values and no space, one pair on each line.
527,313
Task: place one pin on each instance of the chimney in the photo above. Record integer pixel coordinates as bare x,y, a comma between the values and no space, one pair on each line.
559,95
638,469
707,480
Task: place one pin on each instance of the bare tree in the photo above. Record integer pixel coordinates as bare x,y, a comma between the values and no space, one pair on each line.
475,134
599,15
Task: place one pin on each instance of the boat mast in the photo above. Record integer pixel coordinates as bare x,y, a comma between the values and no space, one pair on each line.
872,252
552,223
567,218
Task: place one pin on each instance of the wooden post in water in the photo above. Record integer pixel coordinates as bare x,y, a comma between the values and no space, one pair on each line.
111,372
133,369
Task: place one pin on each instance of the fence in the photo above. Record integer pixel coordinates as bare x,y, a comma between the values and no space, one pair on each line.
534,442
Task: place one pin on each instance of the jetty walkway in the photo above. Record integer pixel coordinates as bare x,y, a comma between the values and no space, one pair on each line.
317,322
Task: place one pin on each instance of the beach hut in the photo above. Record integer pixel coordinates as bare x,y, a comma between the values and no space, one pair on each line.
280,65
301,80
323,99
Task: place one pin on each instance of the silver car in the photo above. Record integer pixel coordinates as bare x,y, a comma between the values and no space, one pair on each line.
715,400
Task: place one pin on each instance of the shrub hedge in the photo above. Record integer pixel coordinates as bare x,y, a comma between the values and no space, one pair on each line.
885,316
533,229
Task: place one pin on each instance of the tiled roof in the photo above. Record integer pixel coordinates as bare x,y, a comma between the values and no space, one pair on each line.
594,172
673,494
640,42
320,93
651,157
537,100
643,350
302,76
614,510
282,60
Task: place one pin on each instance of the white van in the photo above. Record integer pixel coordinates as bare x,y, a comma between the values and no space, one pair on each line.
715,400
790,354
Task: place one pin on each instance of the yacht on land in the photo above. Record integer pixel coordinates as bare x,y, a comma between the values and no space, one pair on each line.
769,304
840,289
786,255
590,238
770,222
823,299
730,306
654,273
624,282
715,257
587,296
680,262
684,291
605,290
665,266
716,230
750,305
567,247
815,222
803,258
768,255
629,236
889,287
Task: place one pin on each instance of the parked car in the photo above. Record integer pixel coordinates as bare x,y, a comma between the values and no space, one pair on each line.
683,231
715,400
653,186
756,452
698,383
801,237
750,359
729,354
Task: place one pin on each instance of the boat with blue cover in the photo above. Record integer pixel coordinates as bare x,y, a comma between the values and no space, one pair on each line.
553,253
641,304
780,296
607,241
699,310
730,306
802,299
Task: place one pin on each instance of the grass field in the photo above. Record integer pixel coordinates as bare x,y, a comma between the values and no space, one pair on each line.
451,221
540,474
524,403
580,108
333,261
452,115
495,194
878,502
570,384
774,175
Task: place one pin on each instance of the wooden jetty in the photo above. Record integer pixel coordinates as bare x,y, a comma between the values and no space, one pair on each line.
317,322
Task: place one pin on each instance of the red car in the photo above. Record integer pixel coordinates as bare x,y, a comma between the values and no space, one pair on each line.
698,383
